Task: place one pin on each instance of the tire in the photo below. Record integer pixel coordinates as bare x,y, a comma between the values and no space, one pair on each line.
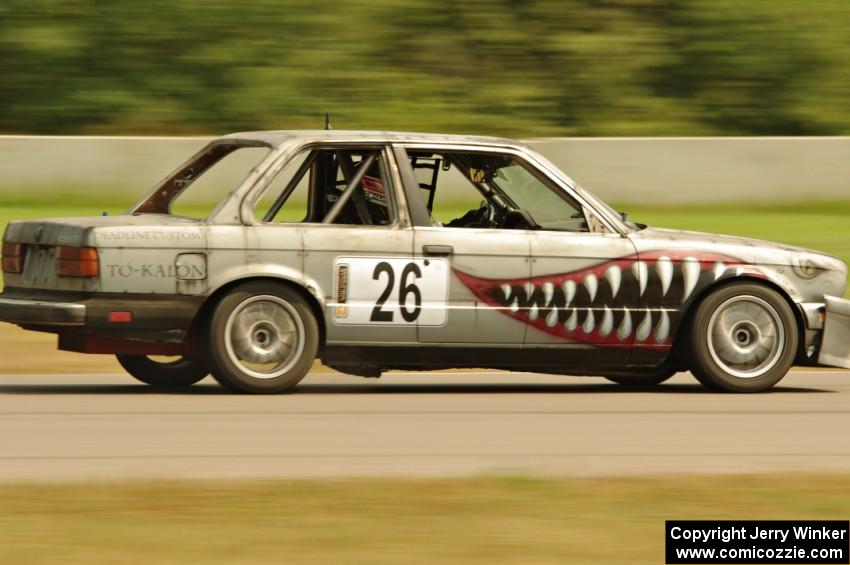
643,381
263,338
743,338
181,373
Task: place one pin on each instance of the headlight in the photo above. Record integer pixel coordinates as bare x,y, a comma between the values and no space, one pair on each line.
805,267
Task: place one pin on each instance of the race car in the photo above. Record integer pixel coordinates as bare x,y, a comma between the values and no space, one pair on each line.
375,251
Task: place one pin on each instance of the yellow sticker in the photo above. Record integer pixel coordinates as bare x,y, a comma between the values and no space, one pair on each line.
342,291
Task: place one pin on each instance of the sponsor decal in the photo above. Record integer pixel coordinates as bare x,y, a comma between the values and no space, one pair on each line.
341,309
373,189
151,235
127,270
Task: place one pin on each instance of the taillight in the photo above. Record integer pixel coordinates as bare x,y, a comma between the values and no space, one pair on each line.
76,261
13,257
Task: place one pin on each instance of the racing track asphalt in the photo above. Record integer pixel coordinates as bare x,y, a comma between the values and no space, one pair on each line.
107,426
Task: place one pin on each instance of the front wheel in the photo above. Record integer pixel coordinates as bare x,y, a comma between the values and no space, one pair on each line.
743,339
263,338
179,373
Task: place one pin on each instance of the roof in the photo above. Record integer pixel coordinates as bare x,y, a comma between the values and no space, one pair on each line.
279,137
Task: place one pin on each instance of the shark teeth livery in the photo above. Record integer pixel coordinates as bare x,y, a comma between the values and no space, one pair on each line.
633,301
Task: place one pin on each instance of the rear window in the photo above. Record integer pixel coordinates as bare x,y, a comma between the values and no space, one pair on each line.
197,188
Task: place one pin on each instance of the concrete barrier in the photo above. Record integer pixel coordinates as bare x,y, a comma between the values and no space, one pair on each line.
117,168
706,170
622,170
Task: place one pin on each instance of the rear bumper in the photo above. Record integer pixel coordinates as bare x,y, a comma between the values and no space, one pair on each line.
42,312
835,342
152,317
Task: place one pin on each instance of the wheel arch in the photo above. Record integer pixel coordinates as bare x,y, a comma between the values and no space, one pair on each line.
679,349
204,313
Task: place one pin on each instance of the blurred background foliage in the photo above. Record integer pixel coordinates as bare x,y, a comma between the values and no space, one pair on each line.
512,67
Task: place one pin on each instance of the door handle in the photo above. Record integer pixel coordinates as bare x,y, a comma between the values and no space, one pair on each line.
438,250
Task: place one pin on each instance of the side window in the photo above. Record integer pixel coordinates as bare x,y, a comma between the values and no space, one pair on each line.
445,190
491,190
330,185
526,191
295,206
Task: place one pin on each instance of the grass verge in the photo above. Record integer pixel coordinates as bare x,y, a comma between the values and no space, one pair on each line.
485,520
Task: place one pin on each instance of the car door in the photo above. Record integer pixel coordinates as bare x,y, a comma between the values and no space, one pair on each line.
363,260
477,259
355,245
551,275
585,279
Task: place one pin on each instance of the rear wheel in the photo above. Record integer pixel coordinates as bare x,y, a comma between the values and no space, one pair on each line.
263,339
170,373
743,339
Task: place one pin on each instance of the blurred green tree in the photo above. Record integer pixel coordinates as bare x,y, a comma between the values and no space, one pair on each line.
513,67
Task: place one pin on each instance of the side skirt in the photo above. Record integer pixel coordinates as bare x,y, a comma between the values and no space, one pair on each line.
371,360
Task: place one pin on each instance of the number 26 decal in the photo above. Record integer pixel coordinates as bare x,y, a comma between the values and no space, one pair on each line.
405,289
390,291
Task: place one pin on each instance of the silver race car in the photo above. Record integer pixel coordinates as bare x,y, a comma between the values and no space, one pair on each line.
375,251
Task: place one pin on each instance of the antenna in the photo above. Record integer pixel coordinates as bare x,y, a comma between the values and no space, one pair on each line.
328,120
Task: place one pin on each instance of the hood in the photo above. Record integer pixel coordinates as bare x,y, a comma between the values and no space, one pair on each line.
805,274
755,251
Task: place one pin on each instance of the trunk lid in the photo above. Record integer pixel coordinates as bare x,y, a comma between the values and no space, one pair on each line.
41,240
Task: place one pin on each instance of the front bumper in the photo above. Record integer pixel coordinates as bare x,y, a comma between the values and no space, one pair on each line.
835,342
42,312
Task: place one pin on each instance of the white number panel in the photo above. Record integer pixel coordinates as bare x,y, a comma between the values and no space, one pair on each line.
375,290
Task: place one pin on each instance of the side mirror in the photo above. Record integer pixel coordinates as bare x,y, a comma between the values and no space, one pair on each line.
624,216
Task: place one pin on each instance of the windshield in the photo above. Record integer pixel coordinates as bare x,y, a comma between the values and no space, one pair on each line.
527,192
